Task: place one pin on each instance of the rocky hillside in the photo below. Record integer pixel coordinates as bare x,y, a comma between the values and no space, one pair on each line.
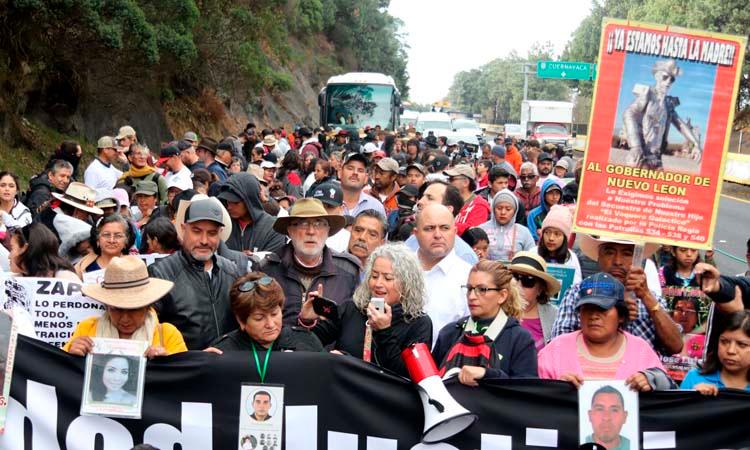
80,69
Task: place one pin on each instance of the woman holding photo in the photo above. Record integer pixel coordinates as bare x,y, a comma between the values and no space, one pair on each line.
128,293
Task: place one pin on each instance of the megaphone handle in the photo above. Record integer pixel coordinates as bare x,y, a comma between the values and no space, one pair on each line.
439,406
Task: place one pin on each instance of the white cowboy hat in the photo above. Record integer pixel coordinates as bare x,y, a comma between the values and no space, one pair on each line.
179,217
127,285
590,245
80,196
530,263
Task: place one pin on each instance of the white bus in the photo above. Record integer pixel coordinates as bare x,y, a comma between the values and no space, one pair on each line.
358,99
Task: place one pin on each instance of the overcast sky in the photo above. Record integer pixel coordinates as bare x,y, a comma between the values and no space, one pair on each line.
448,36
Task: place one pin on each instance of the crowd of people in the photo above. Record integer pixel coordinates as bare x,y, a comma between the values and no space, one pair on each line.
363,243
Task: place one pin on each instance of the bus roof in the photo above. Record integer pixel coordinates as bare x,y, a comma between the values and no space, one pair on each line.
362,78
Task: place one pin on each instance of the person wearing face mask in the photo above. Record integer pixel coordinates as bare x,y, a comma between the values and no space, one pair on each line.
506,236
363,330
257,302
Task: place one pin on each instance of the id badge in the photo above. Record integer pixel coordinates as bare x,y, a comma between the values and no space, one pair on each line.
261,416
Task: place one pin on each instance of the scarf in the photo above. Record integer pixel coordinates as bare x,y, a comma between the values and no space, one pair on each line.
474,348
135,172
106,329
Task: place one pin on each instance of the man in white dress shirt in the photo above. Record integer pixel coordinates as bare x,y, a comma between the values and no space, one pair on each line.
444,272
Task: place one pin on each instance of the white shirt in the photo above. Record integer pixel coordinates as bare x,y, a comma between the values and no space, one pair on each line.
181,178
445,300
339,241
99,176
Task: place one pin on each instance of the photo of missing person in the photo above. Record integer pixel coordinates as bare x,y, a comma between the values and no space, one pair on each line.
261,405
662,114
114,379
608,415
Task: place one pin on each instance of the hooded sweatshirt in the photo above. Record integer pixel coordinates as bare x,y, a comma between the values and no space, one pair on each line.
259,234
537,215
509,239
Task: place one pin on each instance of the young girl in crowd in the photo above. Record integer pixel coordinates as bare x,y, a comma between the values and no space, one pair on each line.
727,362
478,241
553,243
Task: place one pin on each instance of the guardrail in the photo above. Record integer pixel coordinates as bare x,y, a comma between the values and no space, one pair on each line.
737,169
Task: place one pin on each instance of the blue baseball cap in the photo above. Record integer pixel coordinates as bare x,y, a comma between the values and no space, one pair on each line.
601,289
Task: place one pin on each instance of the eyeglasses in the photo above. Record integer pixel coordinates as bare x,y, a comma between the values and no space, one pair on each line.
248,286
527,177
317,224
112,237
527,281
479,291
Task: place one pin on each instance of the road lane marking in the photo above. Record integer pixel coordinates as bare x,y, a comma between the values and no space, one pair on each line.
736,198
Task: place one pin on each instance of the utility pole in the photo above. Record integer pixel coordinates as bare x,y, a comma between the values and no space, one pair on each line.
525,71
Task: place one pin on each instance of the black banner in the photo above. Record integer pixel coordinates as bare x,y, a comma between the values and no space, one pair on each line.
192,403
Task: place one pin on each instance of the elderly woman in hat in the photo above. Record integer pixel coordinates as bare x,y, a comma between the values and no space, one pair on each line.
536,286
128,293
385,316
490,342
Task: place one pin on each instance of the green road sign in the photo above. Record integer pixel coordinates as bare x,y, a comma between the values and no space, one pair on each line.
565,70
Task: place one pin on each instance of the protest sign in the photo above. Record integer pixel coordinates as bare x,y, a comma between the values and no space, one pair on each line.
8,336
56,306
564,275
661,118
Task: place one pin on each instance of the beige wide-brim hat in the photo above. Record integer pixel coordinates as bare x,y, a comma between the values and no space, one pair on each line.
80,196
270,140
530,263
309,208
590,245
127,285
179,217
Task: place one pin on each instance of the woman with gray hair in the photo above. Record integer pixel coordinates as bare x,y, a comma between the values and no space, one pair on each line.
386,314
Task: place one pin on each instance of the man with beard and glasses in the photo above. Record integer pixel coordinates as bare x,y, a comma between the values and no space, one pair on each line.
306,266
199,304
648,318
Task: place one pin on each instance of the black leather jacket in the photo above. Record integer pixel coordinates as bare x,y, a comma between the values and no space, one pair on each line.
198,305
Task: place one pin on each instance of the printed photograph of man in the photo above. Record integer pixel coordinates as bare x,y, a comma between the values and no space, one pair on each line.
607,416
261,406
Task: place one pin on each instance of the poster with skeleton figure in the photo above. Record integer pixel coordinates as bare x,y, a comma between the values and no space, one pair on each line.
661,118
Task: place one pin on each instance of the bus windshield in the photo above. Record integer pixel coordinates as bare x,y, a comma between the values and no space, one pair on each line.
358,105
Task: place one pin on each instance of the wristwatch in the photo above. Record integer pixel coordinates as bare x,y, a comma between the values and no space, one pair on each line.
656,307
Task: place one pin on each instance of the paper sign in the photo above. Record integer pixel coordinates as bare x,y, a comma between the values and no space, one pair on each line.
93,277
55,306
608,414
261,416
564,275
8,336
661,118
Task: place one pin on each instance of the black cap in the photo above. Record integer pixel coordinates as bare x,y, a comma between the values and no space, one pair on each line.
440,163
229,195
271,157
329,193
183,145
409,190
169,151
544,156
355,156
431,141
226,146
305,132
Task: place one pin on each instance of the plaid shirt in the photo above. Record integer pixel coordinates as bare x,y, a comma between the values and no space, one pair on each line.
568,319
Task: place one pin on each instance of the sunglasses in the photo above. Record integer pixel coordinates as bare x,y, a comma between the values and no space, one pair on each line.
527,177
527,281
248,286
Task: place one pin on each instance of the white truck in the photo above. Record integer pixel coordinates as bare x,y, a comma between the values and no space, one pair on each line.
548,122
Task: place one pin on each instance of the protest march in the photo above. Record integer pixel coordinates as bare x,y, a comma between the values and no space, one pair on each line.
376,280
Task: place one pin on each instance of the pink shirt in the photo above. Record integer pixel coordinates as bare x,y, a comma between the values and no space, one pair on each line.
561,356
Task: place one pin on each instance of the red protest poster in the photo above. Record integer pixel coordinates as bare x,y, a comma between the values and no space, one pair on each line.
660,123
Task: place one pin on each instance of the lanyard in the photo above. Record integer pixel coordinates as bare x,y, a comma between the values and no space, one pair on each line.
262,372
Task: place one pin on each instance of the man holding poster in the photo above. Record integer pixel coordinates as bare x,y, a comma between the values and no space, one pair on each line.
651,174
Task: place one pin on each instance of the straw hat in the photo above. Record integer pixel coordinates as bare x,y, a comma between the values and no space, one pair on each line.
80,196
530,263
270,140
179,217
590,245
127,285
309,208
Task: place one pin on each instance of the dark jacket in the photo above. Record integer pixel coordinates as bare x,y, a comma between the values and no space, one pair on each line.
348,332
245,264
726,290
570,193
198,304
40,192
291,338
197,165
514,344
258,235
339,275
219,170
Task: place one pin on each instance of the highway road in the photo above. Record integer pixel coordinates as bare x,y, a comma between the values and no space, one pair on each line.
732,233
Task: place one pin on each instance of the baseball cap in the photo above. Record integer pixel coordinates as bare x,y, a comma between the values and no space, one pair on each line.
106,142
146,187
417,166
125,131
229,195
225,146
267,165
544,156
190,136
354,156
179,181
184,145
370,148
388,165
169,151
461,170
601,289
204,210
563,163
379,154
329,193
499,150
439,164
